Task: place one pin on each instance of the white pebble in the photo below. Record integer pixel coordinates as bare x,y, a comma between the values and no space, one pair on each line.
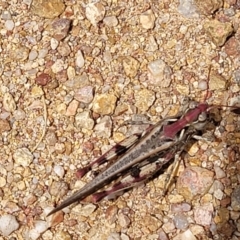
8,224
58,66
9,24
202,85
32,55
187,9
218,194
183,29
35,180
6,15
59,170
54,43
79,59
111,21
219,172
39,228
156,68
95,12
42,53
19,114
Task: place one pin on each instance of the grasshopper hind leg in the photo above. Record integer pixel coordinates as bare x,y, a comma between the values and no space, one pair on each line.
107,157
136,176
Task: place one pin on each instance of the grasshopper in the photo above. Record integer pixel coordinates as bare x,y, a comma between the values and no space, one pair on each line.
142,155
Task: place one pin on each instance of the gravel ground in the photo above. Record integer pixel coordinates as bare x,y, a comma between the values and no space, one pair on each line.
73,72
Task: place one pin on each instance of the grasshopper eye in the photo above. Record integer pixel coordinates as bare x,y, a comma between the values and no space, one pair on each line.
202,117
193,105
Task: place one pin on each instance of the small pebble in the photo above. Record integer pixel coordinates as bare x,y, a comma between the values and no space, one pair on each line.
111,214
4,125
160,73
232,47
79,59
95,12
8,224
104,127
44,9
235,199
58,66
144,99
83,120
60,148
51,137
43,79
219,172
218,194
54,43
168,227
9,24
147,19
56,218
197,230
62,235
114,236
39,228
194,181
131,66
37,92
85,210
6,15
33,55
23,157
162,235
217,81
2,182
59,170
203,215
188,9
208,7
124,237
111,21
72,108
104,104
193,149
187,235
61,28
180,207
236,76
123,220
77,82
202,85
58,188
180,221
42,53
218,31
222,216
84,94
64,49
8,102
152,44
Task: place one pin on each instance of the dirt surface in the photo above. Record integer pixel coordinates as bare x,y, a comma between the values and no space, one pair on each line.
73,72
